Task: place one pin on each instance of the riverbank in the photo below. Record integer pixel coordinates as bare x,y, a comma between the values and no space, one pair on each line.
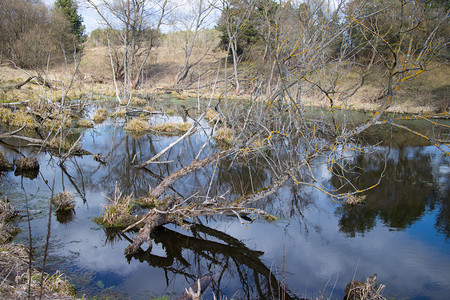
426,93
19,279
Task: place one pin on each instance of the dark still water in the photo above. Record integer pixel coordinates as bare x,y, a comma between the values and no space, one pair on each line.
315,247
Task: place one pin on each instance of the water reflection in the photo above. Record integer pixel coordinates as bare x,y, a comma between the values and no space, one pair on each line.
407,193
324,241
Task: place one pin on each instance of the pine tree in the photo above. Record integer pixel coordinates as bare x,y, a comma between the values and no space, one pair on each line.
70,10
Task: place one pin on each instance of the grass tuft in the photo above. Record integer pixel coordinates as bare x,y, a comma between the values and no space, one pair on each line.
85,123
225,134
354,200
211,115
26,163
17,118
137,125
172,127
100,115
118,211
64,201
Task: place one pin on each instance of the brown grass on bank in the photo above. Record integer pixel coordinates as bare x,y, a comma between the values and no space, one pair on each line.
7,212
100,115
57,121
172,127
63,201
15,277
137,125
17,117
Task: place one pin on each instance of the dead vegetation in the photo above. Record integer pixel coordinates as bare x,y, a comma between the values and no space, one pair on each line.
26,163
17,277
118,211
357,290
171,127
137,125
100,115
64,201
225,134
84,123
7,212
18,118
354,199
4,164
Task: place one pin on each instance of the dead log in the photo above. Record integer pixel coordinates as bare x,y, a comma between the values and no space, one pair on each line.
37,79
169,212
195,165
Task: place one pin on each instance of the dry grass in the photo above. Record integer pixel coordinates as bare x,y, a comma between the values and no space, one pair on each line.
365,290
64,201
118,211
17,118
120,113
4,164
15,275
211,115
58,121
7,210
26,163
85,123
137,125
138,101
100,115
225,134
354,200
172,127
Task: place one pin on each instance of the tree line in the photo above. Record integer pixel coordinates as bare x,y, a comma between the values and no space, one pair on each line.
33,35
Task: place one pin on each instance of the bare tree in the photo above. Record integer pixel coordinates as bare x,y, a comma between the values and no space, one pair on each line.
137,22
193,20
314,60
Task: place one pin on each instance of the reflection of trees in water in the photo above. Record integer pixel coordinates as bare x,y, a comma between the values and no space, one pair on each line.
217,253
443,217
403,197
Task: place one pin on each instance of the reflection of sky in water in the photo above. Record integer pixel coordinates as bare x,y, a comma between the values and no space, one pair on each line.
412,261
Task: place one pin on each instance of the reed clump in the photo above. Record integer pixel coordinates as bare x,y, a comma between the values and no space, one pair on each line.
118,211
225,134
26,163
172,127
64,201
84,123
138,125
17,118
355,200
100,115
